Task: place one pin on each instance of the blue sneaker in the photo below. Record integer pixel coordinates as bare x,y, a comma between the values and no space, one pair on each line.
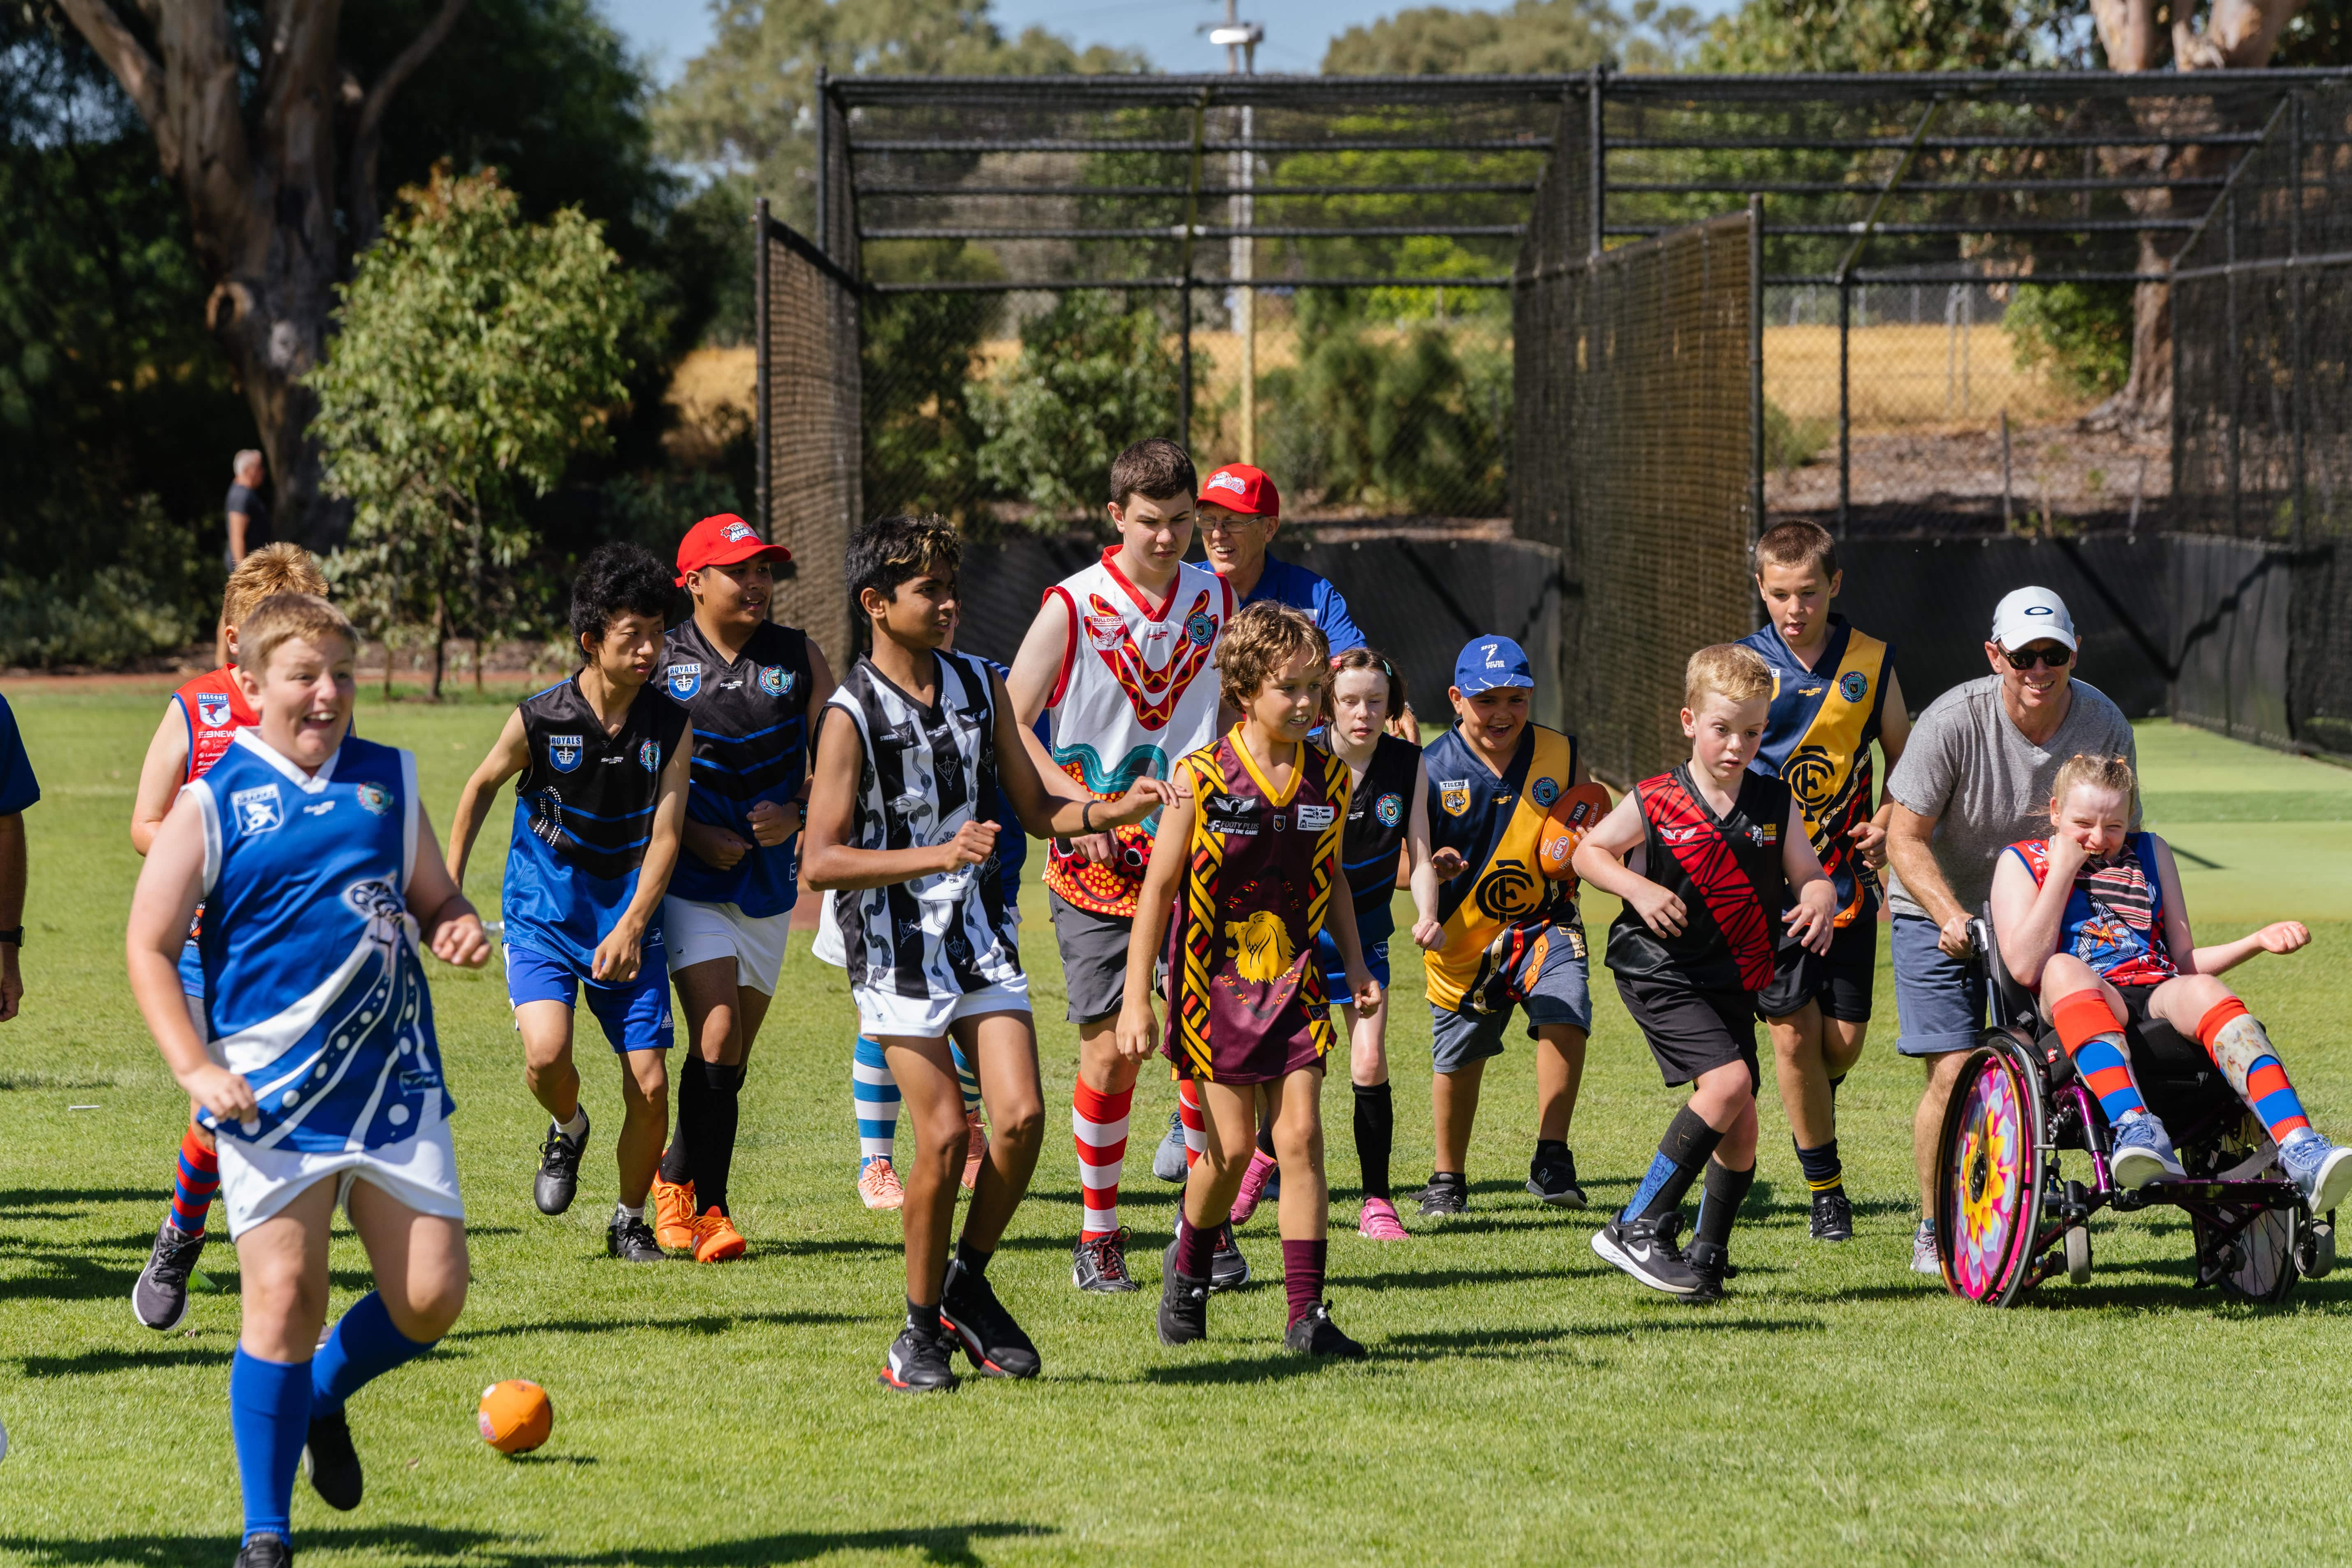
1924,1258
2142,1153
2320,1171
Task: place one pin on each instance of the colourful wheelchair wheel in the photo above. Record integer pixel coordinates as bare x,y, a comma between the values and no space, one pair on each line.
1988,1180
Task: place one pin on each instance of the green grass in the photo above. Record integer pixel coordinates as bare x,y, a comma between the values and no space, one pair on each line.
1524,1404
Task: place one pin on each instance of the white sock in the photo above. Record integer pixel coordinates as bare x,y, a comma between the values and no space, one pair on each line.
577,1125
622,1211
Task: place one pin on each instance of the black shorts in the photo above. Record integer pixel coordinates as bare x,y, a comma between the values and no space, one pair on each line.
2135,1012
1690,1031
1839,980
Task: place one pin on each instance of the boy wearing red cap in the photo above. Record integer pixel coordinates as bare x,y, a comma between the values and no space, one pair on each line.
748,686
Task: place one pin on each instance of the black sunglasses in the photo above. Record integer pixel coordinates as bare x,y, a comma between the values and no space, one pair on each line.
2056,658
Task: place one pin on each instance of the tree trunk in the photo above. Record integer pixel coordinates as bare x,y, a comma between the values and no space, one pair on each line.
440,642
478,667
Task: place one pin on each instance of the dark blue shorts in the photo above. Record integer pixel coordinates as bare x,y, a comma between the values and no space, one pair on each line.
1374,931
635,1016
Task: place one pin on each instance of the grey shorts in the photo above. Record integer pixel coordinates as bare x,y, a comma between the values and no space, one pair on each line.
1094,958
1938,999
1560,995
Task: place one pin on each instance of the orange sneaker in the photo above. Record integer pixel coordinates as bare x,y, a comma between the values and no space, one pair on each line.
715,1239
877,1184
673,1215
976,1150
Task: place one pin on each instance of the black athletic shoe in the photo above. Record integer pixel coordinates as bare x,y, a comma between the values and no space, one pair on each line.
1552,1177
1712,1264
1634,1246
266,1551
1228,1269
1832,1216
559,1170
1099,1264
632,1241
922,1361
1670,1231
1316,1334
981,1324
1442,1197
331,1463
160,1298
1183,1304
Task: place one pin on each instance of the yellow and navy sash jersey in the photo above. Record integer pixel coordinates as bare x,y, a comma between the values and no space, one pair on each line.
751,744
1496,821
1817,740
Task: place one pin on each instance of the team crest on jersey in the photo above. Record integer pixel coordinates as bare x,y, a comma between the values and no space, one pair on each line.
1454,795
1201,629
649,755
1315,818
1545,791
1853,686
1388,809
563,752
775,681
374,799
257,810
1104,632
1281,823
212,709
685,681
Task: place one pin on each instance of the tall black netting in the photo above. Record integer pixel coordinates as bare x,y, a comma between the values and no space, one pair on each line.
808,432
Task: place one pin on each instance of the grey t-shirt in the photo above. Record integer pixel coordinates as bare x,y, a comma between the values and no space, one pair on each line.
1988,787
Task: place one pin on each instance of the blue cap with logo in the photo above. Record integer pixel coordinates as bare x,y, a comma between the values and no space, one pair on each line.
1486,663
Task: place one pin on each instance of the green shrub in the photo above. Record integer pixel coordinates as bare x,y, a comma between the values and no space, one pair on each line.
1093,377
1791,443
2078,333
152,599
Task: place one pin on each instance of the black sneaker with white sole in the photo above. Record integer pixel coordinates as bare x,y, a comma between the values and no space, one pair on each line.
331,1463
1099,1263
266,1551
1551,1176
1712,1264
1228,1269
1444,1194
1183,1304
993,1341
559,1169
1168,1162
632,1241
159,1299
921,1359
1832,1216
1316,1334
1635,1247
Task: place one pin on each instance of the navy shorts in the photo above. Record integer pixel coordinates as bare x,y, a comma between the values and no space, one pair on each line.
1938,999
1561,995
1373,931
635,1016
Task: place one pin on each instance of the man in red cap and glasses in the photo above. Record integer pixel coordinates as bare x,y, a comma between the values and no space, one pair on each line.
748,686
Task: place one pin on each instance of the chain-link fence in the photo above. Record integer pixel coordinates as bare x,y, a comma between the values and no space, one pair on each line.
808,424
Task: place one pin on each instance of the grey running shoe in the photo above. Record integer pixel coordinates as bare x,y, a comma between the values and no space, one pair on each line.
1099,1263
1711,1264
2320,1171
632,1240
1168,1162
1923,1256
159,1297
1445,1195
2141,1153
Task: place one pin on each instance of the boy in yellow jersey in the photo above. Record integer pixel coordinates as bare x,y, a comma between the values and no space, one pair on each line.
1511,938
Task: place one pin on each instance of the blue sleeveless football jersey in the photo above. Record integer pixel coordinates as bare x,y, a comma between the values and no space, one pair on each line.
314,989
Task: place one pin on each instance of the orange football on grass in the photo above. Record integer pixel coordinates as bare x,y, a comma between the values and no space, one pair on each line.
515,1416
1576,813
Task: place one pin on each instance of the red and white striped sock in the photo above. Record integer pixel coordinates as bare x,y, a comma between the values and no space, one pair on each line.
1188,1110
1099,1127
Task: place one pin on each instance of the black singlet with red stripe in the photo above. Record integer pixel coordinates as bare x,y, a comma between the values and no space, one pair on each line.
1727,871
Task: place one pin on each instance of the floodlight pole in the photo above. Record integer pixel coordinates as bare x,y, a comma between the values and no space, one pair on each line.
1241,40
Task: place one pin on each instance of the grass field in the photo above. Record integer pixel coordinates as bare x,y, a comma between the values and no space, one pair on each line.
1523,1404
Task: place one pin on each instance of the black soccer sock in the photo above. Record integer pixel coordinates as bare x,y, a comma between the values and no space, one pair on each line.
714,1151
974,1259
1823,1171
1681,1154
1375,1133
677,1160
1720,1202
922,1318
1266,1138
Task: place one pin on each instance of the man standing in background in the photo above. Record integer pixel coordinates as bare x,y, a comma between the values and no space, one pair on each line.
249,508
17,790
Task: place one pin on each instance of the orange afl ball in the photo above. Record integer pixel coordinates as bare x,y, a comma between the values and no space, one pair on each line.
1576,813
515,1416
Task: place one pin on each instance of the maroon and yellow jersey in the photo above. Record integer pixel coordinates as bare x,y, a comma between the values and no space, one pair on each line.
1245,1000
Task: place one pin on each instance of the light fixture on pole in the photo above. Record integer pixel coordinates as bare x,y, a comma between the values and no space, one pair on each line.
1240,40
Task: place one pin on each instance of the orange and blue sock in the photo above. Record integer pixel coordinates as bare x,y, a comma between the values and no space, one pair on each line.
2087,1028
2233,1037
193,1188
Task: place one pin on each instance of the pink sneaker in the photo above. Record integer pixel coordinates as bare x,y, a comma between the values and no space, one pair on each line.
1378,1222
877,1184
1254,1180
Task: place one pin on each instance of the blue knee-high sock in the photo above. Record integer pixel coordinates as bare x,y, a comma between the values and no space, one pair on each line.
966,1076
363,1347
269,1415
874,1096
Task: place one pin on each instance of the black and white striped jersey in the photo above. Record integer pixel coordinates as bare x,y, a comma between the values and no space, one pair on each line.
926,772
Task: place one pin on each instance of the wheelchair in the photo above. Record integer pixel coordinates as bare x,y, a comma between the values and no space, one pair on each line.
2007,1217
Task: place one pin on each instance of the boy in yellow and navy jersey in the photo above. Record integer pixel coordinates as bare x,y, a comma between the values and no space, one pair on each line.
1833,693
1511,938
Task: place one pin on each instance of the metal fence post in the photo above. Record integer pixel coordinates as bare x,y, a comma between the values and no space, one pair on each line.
2298,334
2237,386
823,169
1845,403
1598,152
1755,454
760,418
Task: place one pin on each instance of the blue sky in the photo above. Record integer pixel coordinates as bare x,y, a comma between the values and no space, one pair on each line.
1168,31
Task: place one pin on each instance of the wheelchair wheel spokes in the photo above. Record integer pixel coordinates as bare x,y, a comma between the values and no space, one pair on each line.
2249,1256
1988,1181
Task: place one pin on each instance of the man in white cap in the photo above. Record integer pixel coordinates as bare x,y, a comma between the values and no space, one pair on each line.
1975,778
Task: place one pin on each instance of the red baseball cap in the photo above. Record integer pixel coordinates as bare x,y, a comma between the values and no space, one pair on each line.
722,540
1239,487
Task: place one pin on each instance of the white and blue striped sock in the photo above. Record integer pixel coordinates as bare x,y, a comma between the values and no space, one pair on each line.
966,1076
876,1101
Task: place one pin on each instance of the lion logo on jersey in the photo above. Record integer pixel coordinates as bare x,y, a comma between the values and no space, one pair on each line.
1262,951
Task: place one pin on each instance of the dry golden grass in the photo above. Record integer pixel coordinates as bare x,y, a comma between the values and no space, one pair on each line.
712,391
1905,376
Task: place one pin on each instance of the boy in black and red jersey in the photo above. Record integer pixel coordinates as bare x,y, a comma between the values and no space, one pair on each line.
1702,857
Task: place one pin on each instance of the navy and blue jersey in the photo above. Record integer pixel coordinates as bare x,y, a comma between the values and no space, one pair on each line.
583,815
1377,810
1817,740
1285,583
750,744
314,990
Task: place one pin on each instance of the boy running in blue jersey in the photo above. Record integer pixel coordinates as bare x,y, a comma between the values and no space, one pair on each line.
316,1064
596,820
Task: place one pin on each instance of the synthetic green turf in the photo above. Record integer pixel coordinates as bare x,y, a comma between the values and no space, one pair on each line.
1524,1404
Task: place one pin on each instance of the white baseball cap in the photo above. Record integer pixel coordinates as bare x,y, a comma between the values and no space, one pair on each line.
2029,615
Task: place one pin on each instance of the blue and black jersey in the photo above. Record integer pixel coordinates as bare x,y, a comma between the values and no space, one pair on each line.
583,815
1378,815
749,717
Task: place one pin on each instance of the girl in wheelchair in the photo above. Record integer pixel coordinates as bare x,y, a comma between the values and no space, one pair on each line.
2092,917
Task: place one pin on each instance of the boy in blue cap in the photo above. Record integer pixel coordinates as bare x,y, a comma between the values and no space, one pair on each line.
1511,938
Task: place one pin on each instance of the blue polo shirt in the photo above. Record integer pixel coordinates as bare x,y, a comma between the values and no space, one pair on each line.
18,788
1286,583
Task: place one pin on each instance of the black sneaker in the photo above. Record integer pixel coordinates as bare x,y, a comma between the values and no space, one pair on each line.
1634,1246
266,1551
1169,1162
1444,1196
1099,1264
331,1463
160,1298
559,1170
1552,1177
1670,1231
1316,1334
922,1361
1832,1216
632,1241
1228,1269
988,1335
1712,1264
1183,1304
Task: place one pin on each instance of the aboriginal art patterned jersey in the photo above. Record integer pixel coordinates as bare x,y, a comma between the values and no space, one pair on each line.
926,770
212,709
1501,915
1377,810
583,815
2115,914
314,990
1138,690
749,722
1257,888
1817,740
1727,872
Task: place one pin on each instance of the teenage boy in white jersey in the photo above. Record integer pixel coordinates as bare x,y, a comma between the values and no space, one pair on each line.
1122,656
